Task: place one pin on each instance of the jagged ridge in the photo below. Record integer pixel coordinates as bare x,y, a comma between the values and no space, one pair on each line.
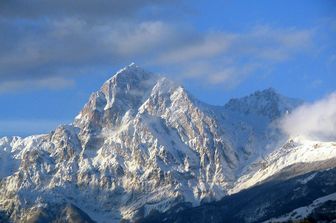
141,143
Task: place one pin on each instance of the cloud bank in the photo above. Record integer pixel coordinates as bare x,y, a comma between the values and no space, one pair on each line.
46,40
314,121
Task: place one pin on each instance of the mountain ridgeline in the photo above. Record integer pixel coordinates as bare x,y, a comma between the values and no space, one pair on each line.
143,149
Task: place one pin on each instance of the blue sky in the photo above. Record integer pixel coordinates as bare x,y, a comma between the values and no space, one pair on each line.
53,55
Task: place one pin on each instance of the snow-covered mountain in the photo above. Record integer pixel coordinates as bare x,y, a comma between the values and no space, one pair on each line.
142,144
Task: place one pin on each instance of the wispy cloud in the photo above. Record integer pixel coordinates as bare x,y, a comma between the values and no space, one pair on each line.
43,43
92,10
316,120
42,39
228,58
53,83
28,127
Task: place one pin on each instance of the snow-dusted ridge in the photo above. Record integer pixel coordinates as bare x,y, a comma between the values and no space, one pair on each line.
143,143
303,212
296,150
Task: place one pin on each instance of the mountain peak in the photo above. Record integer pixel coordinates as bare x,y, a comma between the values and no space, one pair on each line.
267,103
131,66
125,90
130,71
143,144
269,90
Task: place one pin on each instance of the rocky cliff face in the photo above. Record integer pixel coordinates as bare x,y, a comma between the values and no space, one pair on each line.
143,143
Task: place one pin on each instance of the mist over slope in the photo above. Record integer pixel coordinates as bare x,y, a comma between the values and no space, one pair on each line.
313,120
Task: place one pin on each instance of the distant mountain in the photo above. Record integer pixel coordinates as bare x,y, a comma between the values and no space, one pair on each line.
142,145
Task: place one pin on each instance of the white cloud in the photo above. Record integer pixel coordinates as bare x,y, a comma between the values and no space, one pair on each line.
52,83
207,45
224,58
315,121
